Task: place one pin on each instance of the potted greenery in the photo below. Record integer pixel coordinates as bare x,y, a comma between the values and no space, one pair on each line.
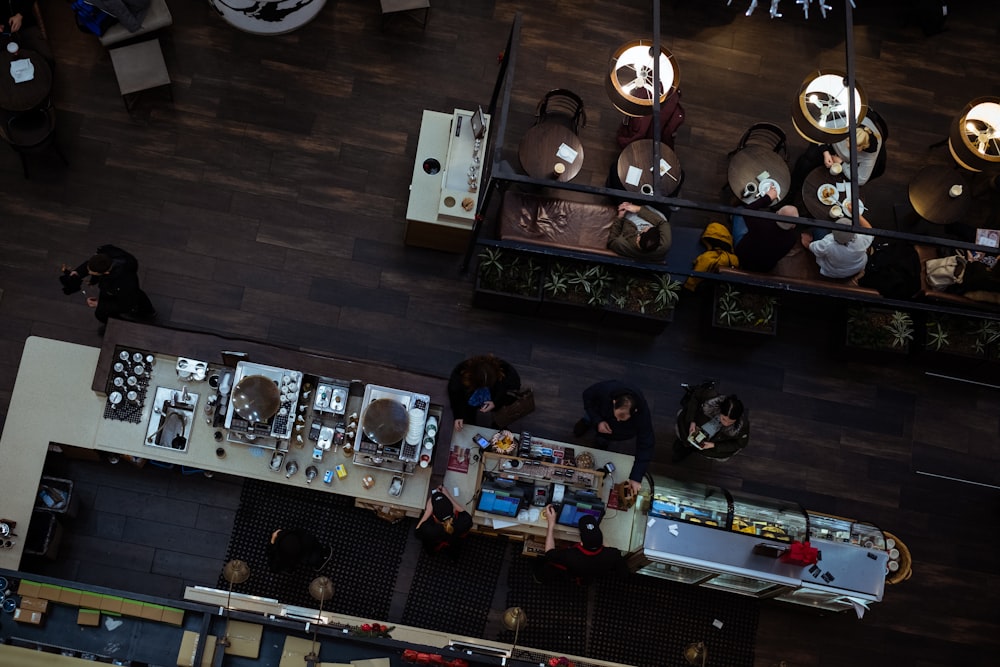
576,289
879,329
963,336
744,310
508,281
641,301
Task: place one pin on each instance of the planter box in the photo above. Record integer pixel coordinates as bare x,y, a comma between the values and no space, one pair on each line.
768,328
506,302
869,333
640,322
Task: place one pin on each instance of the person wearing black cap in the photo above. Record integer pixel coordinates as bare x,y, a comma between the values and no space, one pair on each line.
290,548
582,562
620,412
443,524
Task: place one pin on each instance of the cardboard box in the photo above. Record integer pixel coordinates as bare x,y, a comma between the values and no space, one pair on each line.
132,608
244,639
48,592
173,616
189,647
152,612
29,617
111,603
28,588
90,617
70,596
34,604
294,651
90,600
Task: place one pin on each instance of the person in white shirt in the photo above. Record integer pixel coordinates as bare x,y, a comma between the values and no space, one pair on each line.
839,253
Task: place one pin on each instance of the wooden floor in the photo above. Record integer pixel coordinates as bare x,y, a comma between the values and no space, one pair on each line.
268,202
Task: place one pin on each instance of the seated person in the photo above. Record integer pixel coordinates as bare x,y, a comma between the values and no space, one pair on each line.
130,13
701,404
868,143
640,232
290,548
840,254
443,524
18,19
761,243
582,562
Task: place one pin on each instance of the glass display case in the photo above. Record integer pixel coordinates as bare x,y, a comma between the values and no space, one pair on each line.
847,531
691,502
769,518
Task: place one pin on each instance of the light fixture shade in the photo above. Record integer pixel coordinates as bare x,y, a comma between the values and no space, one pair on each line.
235,571
514,618
974,139
820,108
630,82
321,588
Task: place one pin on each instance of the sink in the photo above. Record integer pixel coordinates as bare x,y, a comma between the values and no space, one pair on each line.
171,421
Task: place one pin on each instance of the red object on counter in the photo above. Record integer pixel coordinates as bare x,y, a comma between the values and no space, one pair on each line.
410,655
800,553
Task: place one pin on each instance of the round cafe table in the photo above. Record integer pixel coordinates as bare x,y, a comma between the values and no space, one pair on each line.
538,147
27,94
639,154
930,198
810,192
747,163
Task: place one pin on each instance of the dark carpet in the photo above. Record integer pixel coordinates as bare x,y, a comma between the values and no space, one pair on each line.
367,551
455,595
646,621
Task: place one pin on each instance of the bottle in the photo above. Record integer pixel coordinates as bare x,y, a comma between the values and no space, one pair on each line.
47,498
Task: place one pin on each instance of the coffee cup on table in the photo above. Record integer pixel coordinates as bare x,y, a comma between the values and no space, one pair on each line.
12,48
559,169
836,169
955,190
646,189
836,211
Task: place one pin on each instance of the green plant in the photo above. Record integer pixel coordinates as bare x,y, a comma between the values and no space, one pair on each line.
752,310
557,280
901,328
491,264
987,332
937,336
593,281
875,328
509,271
646,292
666,291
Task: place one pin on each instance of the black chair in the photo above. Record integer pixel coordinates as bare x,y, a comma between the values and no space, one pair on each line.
32,131
563,106
767,135
883,154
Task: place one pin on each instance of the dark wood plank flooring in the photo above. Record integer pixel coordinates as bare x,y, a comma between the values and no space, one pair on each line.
268,202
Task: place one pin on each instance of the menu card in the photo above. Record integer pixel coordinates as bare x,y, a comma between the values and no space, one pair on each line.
988,237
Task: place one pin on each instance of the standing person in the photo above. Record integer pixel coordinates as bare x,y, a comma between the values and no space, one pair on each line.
640,232
840,253
116,274
725,416
444,524
479,385
619,412
760,243
582,562
290,548
18,20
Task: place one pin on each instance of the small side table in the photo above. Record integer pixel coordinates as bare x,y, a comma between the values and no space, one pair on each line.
140,67
930,198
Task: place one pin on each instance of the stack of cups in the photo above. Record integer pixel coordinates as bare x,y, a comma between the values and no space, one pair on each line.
416,426
430,432
890,546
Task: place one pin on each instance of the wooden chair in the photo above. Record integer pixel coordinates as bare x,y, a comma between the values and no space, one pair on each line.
30,132
563,106
408,7
767,135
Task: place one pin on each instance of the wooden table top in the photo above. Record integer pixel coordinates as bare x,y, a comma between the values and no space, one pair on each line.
28,94
537,151
748,163
639,154
930,198
810,192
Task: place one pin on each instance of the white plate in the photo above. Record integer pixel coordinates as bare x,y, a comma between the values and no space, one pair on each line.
828,194
763,185
847,207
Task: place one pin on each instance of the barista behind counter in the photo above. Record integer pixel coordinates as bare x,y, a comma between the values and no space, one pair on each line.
469,468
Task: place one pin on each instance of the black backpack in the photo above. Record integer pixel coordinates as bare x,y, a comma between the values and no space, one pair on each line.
894,270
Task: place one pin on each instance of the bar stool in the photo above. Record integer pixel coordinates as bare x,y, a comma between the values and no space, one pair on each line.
140,67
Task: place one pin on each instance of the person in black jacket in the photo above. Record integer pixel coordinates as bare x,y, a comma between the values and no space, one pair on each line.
292,547
582,562
620,412
116,274
444,524
480,385
18,20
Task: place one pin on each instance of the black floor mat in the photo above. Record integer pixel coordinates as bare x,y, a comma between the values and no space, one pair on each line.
455,595
556,613
366,550
647,621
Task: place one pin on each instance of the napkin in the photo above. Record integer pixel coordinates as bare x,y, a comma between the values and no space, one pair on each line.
664,167
22,70
633,176
566,153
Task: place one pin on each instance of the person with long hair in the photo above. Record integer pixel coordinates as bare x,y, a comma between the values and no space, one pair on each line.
703,407
444,523
480,385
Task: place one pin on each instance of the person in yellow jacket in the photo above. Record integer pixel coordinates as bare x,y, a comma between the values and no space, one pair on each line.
718,244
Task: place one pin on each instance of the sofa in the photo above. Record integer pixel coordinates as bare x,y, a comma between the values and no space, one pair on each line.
556,223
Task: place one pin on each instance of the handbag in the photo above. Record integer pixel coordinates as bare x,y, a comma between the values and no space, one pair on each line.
944,272
522,406
90,19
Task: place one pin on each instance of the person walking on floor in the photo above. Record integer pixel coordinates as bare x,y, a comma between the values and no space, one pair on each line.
115,272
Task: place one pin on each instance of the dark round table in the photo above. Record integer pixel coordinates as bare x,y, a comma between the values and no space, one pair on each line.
810,192
746,164
639,154
538,147
930,198
28,94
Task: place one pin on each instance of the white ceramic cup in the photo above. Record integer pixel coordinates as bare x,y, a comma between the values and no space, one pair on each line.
12,48
890,543
955,190
893,554
893,565
559,169
646,189
836,169
836,212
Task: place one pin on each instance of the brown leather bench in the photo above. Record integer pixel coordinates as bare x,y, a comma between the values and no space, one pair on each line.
556,223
